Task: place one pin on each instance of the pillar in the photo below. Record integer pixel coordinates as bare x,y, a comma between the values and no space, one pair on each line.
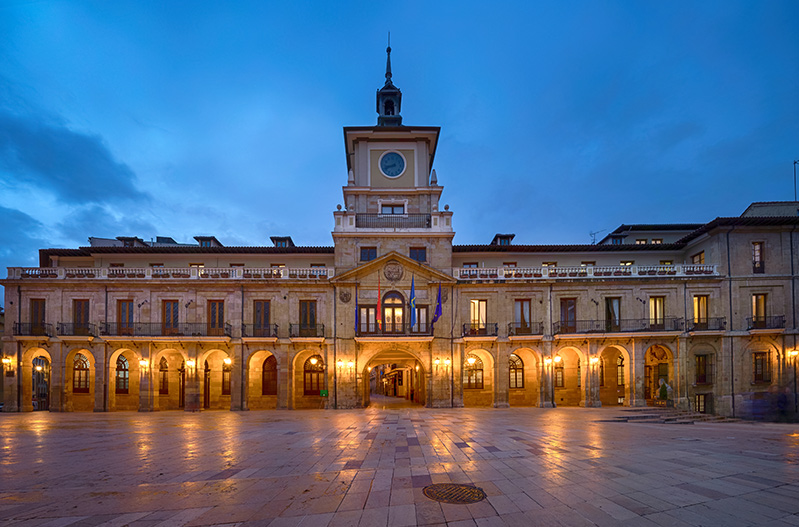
192,389
501,377
546,388
591,377
636,375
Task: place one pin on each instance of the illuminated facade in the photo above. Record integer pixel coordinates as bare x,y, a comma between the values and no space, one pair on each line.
125,324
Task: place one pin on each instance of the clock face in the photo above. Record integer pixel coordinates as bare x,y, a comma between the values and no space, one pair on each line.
392,164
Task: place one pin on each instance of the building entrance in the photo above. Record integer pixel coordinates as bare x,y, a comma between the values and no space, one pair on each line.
394,377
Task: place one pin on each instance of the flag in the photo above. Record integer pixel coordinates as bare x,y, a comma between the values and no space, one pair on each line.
357,313
379,307
437,313
412,304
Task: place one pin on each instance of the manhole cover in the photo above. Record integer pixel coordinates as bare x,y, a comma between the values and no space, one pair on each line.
454,493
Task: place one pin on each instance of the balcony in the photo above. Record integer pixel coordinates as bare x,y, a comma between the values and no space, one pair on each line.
766,322
392,221
517,328
157,329
265,331
371,329
582,273
618,326
171,273
307,331
481,329
33,329
77,329
706,324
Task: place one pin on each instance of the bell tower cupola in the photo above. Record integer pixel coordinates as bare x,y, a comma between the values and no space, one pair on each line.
389,99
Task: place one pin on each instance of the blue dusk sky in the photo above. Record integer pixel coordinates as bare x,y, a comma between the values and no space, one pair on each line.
169,118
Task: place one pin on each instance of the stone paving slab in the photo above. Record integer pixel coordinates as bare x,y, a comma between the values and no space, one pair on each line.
549,467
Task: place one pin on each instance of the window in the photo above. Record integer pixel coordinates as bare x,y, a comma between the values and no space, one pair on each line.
700,311
473,373
657,312
516,371
367,319
307,318
508,264
612,314
657,241
419,254
269,376
470,265
702,402
392,209
226,378
667,262
421,320
281,243
521,317
170,317
122,375
260,322
313,375
620,371
368,254
757,258
197,265
616,241
239,265
568,315
559,374
640,241
579,374
698,258
216,318
393,309
627,262
80,316
116,265
205,243
80,374
503,240
761,366
758,311
125,317
163,377
704,369
156,265
590,263
477,316
37,316
549,264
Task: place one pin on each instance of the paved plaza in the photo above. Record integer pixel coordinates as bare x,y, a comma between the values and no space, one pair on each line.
551,467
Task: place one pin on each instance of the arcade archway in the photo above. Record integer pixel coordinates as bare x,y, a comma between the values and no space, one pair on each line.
395,376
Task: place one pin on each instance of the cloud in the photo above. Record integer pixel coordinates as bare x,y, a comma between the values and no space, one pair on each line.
75,167
100,221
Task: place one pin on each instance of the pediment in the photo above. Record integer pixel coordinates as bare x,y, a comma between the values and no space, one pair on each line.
392,268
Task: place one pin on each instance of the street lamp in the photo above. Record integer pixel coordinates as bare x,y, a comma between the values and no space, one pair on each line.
794,353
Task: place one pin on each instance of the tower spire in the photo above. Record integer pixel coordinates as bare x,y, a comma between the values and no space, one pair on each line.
388,61
389,97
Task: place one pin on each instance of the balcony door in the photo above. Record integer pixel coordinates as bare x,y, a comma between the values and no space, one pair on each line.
216,318
612,314
169,318
568,315
307,318
521,317
80,317
37,316
125,317
393,305
478,311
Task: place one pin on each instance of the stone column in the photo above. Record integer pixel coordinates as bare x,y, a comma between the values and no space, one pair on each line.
591,376
681,368
192,388
636,375
100,376
501,376
546,387
722,403
454,373
239,381
146,396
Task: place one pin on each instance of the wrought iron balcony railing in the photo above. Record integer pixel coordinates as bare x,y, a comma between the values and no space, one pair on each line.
79,329
618,326
481,329
394,330
33,329
158,329
392,221
767,322
253,330
518,328
310,330
706,324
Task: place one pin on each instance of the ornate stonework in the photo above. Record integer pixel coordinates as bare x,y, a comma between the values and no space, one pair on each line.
393,271
444,295
345,296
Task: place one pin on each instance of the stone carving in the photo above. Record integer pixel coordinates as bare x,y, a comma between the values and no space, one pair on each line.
444,295
393,271
345,296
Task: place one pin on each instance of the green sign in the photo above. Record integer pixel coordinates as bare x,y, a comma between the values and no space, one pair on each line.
323,393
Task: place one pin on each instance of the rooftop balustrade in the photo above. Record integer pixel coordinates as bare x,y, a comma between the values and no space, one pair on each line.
582,272
171,273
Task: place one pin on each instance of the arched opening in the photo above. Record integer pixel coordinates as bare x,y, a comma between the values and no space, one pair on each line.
523,378
478,378
40,388
309,383
388,107
567,369
169,379
79,385
391,379
263,381
123,390
393,310
216,380
658,366
614,388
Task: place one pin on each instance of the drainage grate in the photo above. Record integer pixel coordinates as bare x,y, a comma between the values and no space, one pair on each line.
454,493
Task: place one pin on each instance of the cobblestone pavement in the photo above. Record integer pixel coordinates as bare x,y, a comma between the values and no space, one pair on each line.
551,467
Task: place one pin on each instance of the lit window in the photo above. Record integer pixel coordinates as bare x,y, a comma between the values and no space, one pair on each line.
122,375
657,241
516,371
313,375
627,262
761,366
620,371
667,262
698,258
657,311
590,263
473,373
80,374
549,264
226,379
757,258
640,241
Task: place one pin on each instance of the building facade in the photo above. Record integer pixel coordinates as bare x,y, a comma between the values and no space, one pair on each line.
393,307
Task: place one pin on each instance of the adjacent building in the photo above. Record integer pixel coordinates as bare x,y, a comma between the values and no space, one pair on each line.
393,307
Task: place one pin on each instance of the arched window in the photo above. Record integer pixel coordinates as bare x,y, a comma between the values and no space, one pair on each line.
559,374
269,376
80,374
226,378
123,375
579,374
393,304
516,371
163,377
473,373
388,108
313,375
620,371
601,372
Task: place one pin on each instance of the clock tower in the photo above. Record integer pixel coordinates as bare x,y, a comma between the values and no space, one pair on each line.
391,200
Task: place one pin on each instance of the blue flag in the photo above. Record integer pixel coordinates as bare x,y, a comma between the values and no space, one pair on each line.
412,303
437,313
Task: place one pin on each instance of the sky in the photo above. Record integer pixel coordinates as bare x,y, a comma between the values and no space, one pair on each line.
185,118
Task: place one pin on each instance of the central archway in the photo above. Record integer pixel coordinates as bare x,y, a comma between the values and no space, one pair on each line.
396,377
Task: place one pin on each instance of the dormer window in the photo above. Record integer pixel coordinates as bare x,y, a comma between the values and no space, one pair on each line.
502,239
